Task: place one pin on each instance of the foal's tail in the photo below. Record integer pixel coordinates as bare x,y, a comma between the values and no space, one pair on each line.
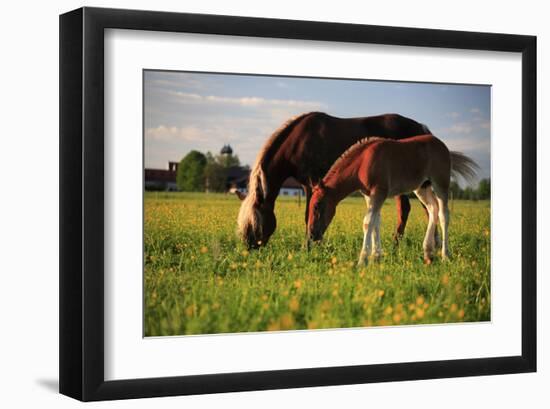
462,165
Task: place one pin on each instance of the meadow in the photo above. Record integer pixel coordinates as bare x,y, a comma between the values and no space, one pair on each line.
200,279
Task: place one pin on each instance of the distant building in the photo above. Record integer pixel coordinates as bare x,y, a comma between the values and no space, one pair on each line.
237,178
291,187
226,150
162,179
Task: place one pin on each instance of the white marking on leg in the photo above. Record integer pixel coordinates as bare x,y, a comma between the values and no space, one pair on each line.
443,204
375,204
444,220
426,196
376,244
367,229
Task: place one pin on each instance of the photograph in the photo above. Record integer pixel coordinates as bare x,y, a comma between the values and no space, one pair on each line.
276,203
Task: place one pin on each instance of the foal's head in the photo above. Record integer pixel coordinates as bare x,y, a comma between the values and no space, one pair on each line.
321,211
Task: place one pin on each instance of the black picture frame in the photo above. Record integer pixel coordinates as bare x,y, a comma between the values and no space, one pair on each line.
82,198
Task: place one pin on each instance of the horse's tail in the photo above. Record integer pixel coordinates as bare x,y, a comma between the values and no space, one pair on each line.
463,166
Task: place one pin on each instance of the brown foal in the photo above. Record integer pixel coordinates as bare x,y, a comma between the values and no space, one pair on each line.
380,168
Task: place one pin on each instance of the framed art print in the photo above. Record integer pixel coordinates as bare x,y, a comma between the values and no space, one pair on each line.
255,204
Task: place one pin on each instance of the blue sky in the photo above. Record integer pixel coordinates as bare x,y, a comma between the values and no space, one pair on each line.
185,111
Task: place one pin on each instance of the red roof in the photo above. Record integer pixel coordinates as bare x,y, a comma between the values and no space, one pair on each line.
160,175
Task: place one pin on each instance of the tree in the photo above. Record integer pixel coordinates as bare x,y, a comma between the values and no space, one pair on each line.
215,174
228,160
455,190
190,175
484,189
468,194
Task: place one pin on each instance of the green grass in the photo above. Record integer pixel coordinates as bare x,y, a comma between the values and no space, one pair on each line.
199,278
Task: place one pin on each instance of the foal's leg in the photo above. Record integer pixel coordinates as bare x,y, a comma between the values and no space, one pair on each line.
374,204
442,197
403,210
365,248
376,244
437,238
426,196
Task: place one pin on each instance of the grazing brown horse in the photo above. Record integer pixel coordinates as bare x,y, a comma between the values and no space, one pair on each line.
305,147
382,167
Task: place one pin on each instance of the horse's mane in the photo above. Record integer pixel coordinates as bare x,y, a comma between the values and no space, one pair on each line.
257,183
249,216
352,150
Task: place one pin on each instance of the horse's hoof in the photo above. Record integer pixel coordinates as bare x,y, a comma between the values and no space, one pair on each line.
428,261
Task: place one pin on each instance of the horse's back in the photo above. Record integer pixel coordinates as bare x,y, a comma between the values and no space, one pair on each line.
318,139
402,165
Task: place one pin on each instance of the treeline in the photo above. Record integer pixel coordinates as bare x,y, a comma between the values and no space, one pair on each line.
198,172
482,192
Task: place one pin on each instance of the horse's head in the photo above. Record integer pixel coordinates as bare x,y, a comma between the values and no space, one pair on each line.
256,221
321,211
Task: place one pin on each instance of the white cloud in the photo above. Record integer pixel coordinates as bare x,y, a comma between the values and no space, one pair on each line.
468,144
171,133
460,128
475,111
453,115
248,101
173,80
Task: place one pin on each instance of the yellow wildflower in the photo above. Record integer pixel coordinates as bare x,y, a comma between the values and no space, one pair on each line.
286,321
294,304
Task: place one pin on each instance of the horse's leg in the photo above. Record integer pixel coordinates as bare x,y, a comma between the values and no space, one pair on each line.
437,238
307,190
442,197
403,210
365,248
426,196
374,204
376,244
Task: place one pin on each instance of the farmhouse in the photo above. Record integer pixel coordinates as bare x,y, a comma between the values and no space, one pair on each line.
162,179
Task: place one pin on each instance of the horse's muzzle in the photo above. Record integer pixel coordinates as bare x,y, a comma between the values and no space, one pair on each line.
311,241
